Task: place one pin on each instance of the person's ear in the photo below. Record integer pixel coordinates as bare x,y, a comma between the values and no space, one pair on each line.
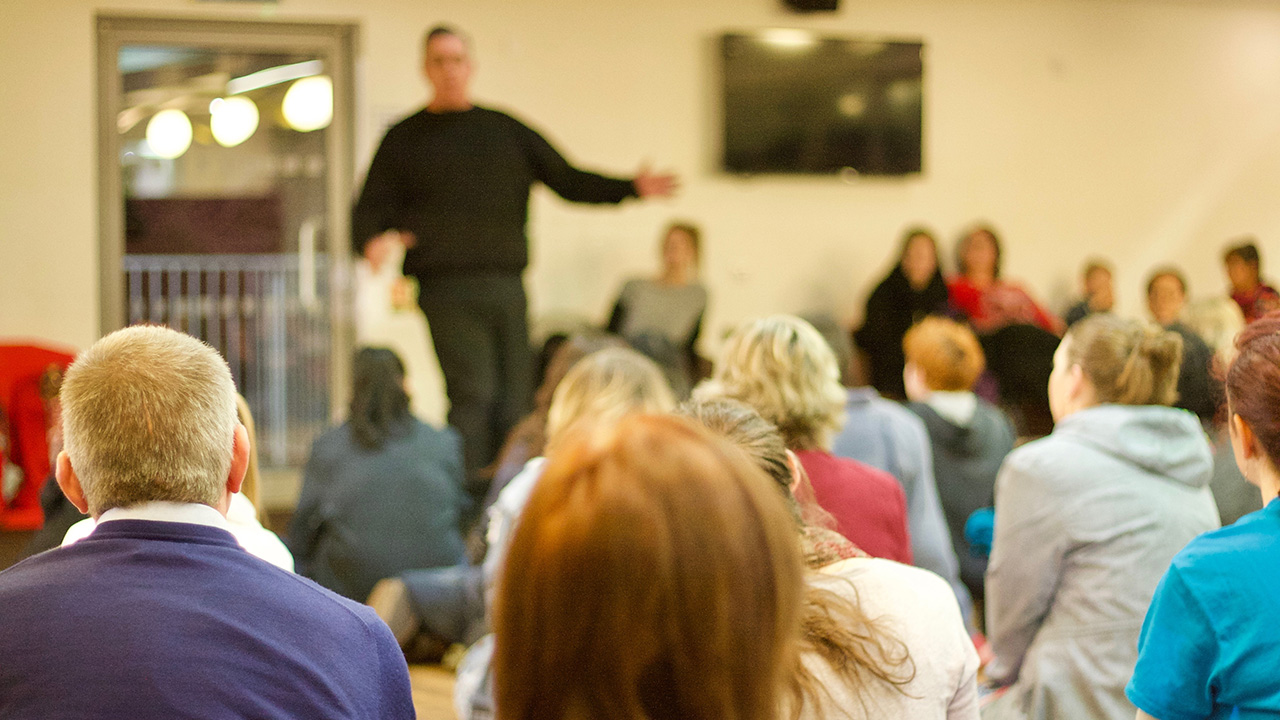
1077,384
70,483
1248,440
239,459
793,464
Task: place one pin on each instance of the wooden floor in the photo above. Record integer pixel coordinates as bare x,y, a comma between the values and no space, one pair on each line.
432,692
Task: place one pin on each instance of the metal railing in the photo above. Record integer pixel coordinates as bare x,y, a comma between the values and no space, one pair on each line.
267,319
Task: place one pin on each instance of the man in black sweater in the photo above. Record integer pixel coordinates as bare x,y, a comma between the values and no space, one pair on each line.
452,183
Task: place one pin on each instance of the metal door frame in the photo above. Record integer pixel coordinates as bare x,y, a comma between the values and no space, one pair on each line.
335,44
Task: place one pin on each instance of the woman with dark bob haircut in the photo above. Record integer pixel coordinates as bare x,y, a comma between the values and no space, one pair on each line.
381,493
654,573
1088,518
1209,646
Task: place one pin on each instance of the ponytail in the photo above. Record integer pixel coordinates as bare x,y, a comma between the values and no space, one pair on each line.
1128,362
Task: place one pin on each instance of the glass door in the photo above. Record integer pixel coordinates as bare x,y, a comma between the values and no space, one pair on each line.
225,171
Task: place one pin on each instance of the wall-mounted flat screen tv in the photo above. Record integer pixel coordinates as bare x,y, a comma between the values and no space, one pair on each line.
795,102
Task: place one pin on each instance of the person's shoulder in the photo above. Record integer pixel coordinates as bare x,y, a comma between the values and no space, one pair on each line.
867,474
498,116
894,585
334,441
897,415
1246,543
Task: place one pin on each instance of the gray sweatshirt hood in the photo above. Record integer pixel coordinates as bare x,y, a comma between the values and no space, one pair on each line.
1162,440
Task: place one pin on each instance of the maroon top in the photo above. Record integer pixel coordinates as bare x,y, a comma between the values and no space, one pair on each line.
868,504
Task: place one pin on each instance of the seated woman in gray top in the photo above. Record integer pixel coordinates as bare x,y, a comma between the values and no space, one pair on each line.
662,317
1088,519
969,437
382,492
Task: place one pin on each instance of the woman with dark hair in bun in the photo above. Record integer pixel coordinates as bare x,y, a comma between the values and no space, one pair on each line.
1209,648
1087,519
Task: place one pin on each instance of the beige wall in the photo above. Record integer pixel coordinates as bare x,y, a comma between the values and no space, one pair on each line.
1141,130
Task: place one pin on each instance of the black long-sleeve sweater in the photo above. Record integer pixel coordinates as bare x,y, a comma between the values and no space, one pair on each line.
460,183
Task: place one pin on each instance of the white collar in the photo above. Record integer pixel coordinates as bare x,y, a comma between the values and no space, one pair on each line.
193,513
958,408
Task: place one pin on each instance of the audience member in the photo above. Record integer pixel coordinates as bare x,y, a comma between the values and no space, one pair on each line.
662,317
988,301
880,640
529,436
782,367
885,435
969,437
242,513
1208,649
382,492
1086,521
1217,320
692,582
1244,270
159,613
1167,298
1099,292
912,290
449,604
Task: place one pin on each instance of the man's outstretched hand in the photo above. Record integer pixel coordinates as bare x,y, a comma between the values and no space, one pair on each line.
650,184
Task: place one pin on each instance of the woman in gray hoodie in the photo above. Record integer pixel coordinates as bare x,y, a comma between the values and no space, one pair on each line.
1087,521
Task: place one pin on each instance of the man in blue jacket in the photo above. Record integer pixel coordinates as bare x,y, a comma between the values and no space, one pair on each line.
159,613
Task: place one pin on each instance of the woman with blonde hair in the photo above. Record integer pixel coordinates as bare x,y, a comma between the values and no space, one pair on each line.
782,367
654,574
879,639
1088,518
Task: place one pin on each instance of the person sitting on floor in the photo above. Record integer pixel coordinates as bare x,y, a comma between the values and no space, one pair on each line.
242,514
662,317
913,290
159,613
782,367
654,574
880,639
1198,391
449,604
1099,292
1244,270
885,435
1086,521
382,493
1207,650
968,436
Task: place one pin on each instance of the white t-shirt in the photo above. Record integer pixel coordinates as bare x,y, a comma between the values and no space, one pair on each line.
921,610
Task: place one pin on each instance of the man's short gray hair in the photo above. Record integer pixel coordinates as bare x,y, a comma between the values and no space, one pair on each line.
149,413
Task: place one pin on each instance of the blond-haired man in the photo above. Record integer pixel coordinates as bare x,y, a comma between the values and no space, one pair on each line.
159,613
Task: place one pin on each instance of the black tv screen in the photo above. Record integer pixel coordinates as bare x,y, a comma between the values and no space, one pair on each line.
795,102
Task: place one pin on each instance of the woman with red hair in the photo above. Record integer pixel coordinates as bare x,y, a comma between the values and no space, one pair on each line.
1209,648
654,573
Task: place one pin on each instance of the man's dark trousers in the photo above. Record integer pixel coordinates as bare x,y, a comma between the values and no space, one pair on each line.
479,326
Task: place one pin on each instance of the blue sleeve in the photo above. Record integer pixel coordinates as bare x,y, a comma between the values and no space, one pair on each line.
1177,652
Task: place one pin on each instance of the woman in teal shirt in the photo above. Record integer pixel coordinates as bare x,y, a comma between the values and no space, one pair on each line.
1209,648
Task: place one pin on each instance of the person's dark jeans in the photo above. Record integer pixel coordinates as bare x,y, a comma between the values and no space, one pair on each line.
480,329
450,602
